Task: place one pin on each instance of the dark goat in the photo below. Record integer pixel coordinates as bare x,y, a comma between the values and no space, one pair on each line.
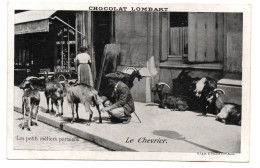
203,88
196,89
168,101
184,84
54,90
214,101
31,101
227,113
128,79
230,114
84,94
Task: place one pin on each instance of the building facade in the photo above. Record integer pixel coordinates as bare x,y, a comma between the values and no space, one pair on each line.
161,44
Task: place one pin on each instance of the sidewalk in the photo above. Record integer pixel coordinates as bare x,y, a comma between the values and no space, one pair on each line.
161,130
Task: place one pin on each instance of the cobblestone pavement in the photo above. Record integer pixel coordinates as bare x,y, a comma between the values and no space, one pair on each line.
45,137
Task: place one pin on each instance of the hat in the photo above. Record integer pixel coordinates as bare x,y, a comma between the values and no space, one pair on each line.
112,76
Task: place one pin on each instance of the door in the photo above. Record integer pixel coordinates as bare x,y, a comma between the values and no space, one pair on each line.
102,34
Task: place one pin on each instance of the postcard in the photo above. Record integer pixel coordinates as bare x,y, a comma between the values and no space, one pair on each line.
93,81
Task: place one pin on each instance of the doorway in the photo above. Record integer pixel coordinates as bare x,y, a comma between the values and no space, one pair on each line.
103,33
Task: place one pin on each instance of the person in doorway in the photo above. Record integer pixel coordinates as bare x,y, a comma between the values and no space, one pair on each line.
121,105
82,65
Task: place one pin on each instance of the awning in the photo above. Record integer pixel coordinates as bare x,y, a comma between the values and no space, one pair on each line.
32,21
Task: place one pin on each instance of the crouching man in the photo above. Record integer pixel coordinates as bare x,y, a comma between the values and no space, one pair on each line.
121,104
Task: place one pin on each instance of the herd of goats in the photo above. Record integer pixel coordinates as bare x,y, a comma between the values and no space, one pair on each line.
197,94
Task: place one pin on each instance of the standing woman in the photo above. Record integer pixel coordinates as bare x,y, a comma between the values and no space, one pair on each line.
83,62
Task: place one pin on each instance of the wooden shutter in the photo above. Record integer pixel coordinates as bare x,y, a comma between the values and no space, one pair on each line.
205,37
164,36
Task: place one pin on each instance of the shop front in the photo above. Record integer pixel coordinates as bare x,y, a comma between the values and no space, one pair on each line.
44,41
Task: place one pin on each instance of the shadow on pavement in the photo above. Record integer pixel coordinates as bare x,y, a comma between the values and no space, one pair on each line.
169,134
69,119
176,136
151,104
201,115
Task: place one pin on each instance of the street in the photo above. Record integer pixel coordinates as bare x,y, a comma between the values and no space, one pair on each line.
46,137
199,134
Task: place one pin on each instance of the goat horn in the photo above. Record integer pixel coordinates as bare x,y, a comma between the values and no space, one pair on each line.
185,71
134,68
62,76
223,92
162,83
31,77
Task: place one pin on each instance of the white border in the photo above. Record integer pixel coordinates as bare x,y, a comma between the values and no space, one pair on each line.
244,156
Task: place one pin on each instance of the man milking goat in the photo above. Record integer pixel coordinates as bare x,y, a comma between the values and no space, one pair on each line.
121,104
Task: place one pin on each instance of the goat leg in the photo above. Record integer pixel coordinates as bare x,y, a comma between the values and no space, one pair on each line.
57,108
182,107
162,106
72,110
31,115
23,112
87,107
48,102
36,116
51,106
61,104
100,119
77,111
90,117
29,120
174,109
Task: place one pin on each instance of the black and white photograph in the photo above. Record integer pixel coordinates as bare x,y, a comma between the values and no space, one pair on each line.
159,81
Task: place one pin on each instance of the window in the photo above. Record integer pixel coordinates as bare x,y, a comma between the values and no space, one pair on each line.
65,42
65,47
196,36
178,40
23,54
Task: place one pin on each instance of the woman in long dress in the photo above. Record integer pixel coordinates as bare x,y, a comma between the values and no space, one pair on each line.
84,71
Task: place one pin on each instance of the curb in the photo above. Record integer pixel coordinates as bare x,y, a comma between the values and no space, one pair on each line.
82,134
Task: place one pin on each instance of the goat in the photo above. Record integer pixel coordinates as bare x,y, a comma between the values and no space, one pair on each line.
128,79
32,82
54,90
196,89
184,84
204,86
85,94
30,101
230,114
202,89
168,101
227,113
214,101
